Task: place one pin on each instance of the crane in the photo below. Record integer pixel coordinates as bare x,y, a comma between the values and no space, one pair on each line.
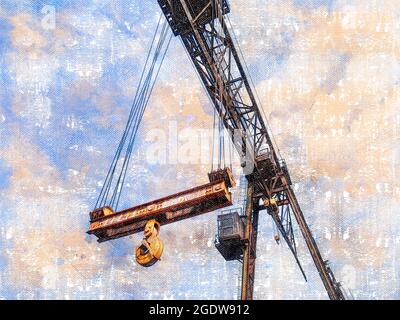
203,28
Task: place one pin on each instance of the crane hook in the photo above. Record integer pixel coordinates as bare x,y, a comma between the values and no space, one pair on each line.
150,251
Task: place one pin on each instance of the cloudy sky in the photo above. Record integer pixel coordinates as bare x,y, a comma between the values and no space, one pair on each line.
327,75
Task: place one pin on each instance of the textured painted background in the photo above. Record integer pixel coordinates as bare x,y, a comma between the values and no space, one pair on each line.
327,73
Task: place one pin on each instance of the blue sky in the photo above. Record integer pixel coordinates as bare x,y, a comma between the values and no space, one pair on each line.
64,97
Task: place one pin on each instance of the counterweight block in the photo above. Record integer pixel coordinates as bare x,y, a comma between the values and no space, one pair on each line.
230,238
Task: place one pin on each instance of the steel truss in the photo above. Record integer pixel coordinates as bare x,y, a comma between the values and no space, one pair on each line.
204,32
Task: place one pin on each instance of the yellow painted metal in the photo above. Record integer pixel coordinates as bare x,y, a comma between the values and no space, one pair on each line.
270,202
151,249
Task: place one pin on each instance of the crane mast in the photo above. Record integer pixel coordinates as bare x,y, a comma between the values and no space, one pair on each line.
202,26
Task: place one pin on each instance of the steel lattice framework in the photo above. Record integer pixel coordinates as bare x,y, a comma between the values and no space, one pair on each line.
204,32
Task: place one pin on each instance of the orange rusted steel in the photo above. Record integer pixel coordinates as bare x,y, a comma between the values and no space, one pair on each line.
107,225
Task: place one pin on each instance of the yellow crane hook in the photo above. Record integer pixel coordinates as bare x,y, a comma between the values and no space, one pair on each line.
151,249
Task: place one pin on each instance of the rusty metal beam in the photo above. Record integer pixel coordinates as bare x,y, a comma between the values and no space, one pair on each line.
107,225
249,251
